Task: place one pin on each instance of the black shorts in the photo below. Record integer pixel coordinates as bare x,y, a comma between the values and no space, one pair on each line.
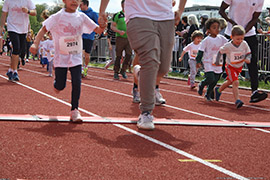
87,45
18,42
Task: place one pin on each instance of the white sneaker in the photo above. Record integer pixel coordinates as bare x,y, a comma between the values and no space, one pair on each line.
136,95
75,116
159,99
26,60
146,122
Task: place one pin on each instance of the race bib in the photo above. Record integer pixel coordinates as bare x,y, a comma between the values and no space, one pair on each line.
70,45
217,61
237,57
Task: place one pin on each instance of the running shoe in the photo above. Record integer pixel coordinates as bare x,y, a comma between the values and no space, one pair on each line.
15,76
238,103
159,99
124,75
84,71
116,76
188,81
136,95
146,121
136,71
9,75
258,96
75,116
218,94
208,98
108,63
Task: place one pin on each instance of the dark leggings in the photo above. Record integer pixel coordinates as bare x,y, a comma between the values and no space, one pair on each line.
60,82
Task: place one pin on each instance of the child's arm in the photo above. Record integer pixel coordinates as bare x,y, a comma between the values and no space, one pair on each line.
182,55
248,58
1,44
34,48
199,58
218,58
99,30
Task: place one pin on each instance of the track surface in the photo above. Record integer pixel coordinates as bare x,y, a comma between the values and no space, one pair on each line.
59,150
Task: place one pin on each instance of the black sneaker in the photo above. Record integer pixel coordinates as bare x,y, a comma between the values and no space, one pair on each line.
258,96
124,75
23,62
15,77
238,103
9,75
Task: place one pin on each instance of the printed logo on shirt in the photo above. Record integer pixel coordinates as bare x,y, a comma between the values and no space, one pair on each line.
16,9
237,58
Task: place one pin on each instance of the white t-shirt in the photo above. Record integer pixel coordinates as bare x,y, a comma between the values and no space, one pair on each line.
151,9
210,46
241,11
17,20
235,56
192,50
67,29
49,48
40,48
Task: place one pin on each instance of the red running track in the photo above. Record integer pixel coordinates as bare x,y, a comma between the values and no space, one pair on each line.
61,150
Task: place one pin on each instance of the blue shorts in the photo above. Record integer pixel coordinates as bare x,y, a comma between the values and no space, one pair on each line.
44,61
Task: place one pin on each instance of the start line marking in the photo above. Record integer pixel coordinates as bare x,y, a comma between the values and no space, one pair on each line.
119,120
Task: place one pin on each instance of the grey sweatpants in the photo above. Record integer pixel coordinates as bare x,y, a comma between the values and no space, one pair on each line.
153,42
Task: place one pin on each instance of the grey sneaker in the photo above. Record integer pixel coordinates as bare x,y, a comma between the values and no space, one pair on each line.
159,99
136,95
75,116
146,121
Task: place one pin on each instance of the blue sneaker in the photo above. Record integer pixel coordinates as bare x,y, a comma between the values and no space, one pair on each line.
207,97
124,75
238,103
15,77
218,94
116,76
200,89
9,75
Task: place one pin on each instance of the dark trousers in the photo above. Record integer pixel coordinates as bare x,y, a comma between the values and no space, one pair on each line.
18,42
122,44
253,65
60,82
210,81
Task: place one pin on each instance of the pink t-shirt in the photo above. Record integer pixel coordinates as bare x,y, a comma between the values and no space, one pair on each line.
17,20
67,29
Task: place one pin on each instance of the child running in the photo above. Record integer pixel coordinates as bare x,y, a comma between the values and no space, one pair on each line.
49,48
192,50
67,27
208,51
237,53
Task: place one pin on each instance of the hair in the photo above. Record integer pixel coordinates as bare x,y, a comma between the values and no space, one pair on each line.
85,2
211,21
223,23
184,18
45,14
123,1
195,34
238,30
192,19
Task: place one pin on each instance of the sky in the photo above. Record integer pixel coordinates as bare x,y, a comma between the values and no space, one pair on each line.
115,5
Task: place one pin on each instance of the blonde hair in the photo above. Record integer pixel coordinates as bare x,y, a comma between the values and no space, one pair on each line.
195,34
238,30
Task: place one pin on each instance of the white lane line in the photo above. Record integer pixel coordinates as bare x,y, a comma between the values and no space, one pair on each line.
169,106
169,147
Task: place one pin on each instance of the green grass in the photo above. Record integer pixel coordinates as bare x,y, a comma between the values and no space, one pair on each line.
242,83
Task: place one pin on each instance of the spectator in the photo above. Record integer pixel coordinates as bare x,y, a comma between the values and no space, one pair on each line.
194,25
111,39
223,25
203,19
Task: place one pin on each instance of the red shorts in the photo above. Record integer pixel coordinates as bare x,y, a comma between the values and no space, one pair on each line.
232,73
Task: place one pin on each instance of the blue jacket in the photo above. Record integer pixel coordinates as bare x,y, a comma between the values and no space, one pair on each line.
94,16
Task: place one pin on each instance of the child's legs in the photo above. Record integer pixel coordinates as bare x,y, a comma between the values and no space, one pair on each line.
60,78
193,70
50,66
209,78
213,84
225,85
76,86
235,85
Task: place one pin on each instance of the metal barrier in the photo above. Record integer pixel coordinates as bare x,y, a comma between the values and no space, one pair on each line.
100,50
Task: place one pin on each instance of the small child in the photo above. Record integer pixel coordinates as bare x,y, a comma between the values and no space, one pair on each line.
237,53
49,48
208,51
67,27
192,50
40,51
